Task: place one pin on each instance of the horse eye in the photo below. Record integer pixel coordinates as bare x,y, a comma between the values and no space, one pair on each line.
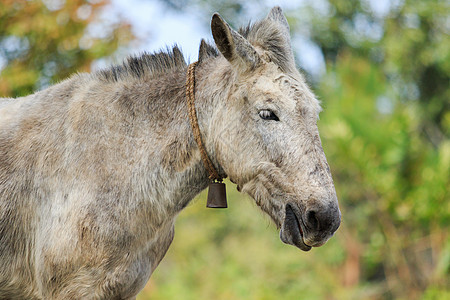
267,114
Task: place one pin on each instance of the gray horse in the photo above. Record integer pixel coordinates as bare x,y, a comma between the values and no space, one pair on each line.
95,169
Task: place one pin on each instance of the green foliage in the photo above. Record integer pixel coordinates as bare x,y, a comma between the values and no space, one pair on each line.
409,41
41,44
392,183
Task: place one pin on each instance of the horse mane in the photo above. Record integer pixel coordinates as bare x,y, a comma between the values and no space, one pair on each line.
145,65
152,64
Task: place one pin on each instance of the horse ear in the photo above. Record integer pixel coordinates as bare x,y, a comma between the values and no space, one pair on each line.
233,46
276,14
278,43
206,51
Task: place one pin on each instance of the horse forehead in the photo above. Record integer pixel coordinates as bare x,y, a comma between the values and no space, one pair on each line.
270,87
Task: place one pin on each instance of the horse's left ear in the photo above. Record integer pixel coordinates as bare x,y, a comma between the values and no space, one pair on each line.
205,51
233,46
276,14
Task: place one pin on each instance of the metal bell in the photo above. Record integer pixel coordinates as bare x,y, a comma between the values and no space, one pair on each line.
217,195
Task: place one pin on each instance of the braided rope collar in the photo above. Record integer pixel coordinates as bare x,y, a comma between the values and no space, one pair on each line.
190,95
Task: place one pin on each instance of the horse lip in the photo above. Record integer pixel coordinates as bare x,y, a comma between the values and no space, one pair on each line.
292,231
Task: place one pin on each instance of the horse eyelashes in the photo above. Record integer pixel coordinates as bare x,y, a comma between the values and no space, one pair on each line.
267,114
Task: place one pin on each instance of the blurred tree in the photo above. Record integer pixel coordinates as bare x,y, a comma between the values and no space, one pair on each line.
42,42
408,39
393,184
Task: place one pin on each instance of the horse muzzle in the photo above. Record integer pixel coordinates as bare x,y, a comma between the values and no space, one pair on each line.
312,228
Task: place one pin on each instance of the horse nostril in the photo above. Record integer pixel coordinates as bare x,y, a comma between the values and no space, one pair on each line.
323,220
312,220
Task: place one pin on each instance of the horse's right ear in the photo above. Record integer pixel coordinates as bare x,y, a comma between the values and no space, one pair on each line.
233,46
276,14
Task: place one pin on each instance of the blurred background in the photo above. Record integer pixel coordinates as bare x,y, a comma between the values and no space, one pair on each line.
381,69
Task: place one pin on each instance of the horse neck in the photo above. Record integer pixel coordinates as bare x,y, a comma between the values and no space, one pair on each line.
214,80
181,167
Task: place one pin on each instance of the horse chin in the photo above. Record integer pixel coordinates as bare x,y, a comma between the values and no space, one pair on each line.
291,232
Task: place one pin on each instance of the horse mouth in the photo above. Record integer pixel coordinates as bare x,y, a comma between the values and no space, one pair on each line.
292,232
